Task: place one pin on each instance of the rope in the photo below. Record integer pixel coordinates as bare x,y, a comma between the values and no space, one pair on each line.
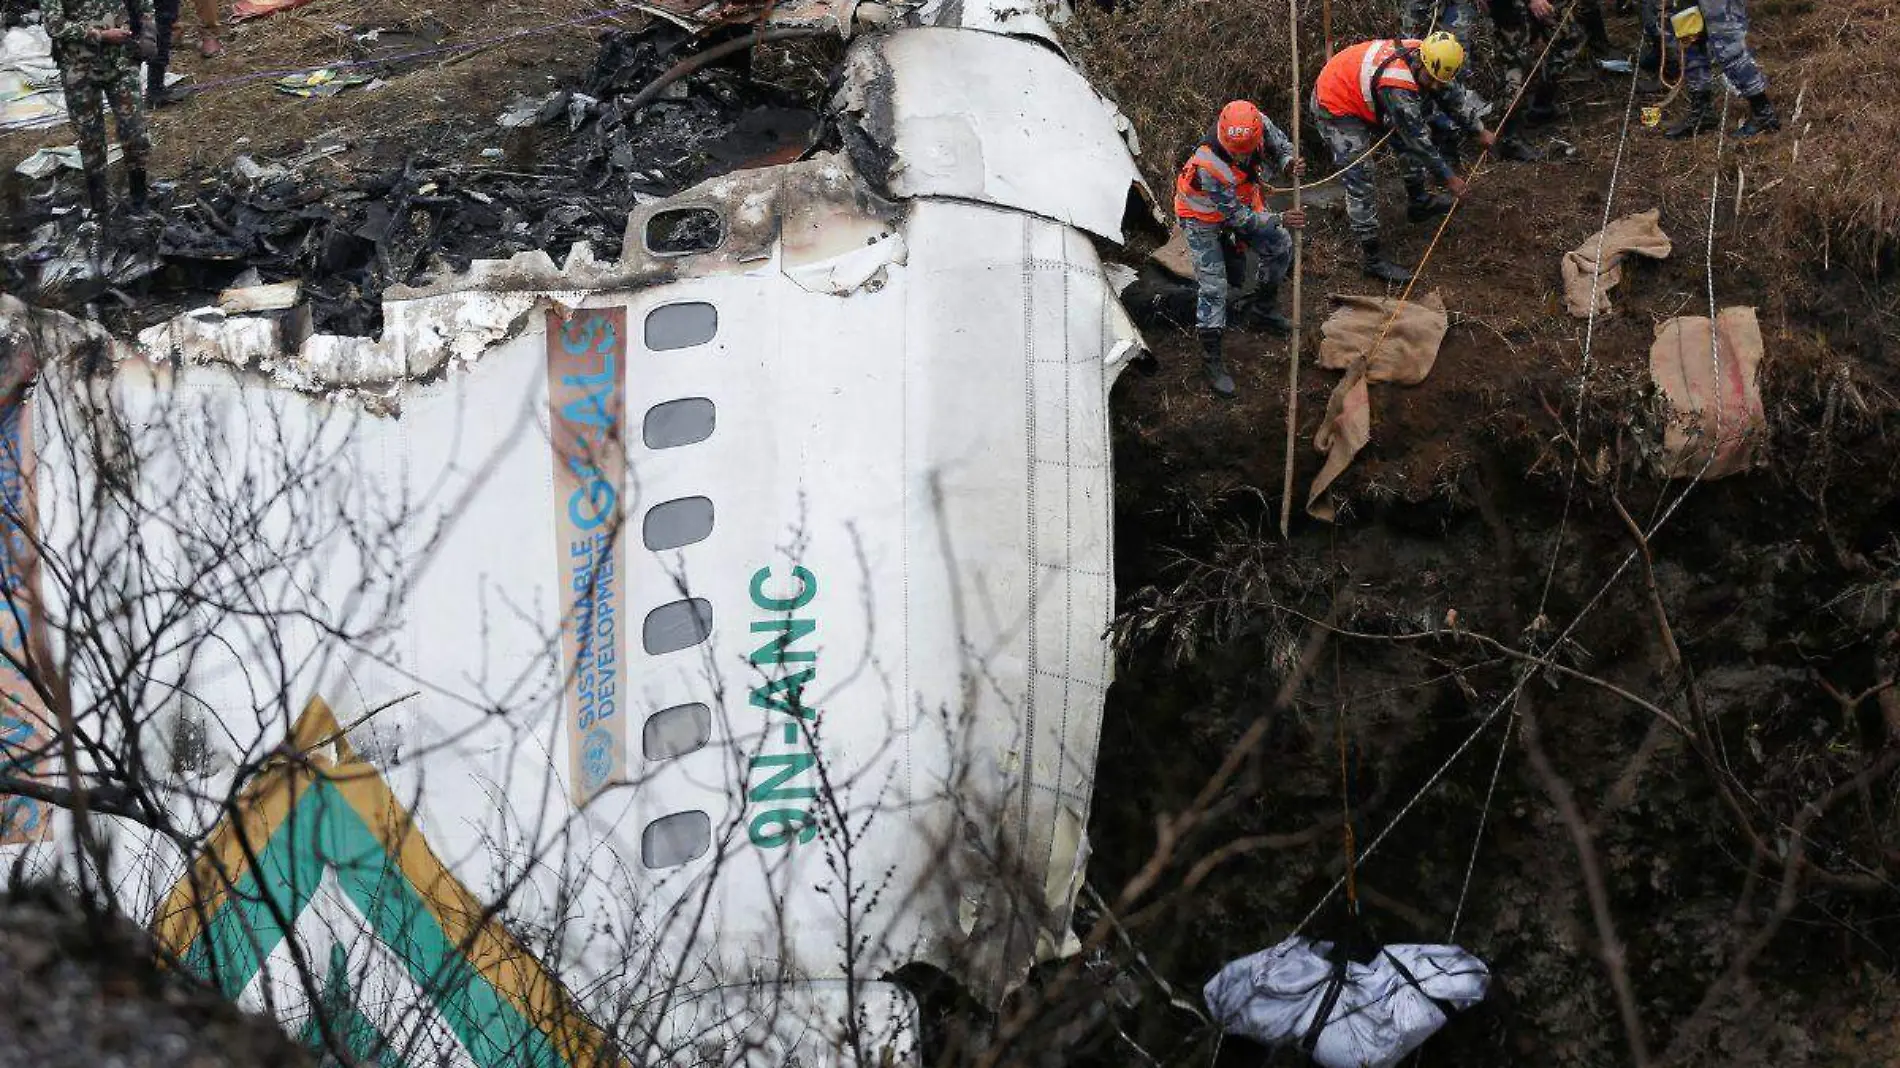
1589,336
1484,817
1583,381
1336,175
1419,272
1596,599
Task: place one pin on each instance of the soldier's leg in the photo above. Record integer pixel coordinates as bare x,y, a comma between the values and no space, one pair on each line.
1727,45
1210,304
1650,18
166,12
1348,139
1510,31
1210,275
1589,22
128,113
85,111
1696,78
1272,246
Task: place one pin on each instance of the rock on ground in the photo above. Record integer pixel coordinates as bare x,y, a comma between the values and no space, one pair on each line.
79,991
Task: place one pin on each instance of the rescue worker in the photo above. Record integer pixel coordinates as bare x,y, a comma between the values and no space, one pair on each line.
1392,85
1725,35
1219,192
98,60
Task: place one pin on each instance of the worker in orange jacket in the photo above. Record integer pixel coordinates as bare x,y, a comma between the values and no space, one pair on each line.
1394,86
1219,192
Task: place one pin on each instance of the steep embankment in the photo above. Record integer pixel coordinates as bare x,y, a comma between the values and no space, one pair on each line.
1749,862
83,991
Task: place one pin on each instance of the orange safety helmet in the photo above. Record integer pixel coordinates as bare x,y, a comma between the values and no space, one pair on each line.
1240,129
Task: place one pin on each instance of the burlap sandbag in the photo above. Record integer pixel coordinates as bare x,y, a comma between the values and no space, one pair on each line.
1715,414
1174,256
1405,355
1632,235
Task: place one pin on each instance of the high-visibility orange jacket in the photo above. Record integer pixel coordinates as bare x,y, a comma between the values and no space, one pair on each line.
1203,171
1349,81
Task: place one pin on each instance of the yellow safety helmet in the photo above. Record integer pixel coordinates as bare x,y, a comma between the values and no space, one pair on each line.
1441,55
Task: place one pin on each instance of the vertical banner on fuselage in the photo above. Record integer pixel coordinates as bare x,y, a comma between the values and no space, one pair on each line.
26,730
587,419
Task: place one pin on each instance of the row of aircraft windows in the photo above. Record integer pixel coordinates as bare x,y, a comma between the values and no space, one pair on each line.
679,837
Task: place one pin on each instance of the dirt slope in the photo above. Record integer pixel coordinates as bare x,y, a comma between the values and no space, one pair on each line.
1778,589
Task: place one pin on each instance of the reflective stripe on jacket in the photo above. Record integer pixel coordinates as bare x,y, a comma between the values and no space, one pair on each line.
1201,172
1346,85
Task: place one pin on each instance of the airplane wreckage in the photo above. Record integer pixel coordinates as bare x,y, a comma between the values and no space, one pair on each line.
612,662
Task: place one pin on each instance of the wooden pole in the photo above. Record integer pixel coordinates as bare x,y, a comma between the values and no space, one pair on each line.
1293,343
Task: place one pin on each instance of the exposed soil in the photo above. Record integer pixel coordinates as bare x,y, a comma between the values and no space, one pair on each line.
1463,508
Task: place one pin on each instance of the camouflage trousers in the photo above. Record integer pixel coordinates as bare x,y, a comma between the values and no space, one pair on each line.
94,80
1521,39
1725,44
1350,137
1268,240
1456,17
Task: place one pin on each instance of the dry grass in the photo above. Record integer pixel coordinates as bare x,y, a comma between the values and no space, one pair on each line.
1841,204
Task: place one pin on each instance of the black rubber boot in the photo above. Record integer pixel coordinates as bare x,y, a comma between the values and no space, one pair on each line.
97,197
1542,105
1381,268
1267,311
1590,15
1214,367
1514,148
1699,118
1762,118
1428,206
137,198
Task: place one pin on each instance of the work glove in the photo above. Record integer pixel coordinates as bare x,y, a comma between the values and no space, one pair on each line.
148,42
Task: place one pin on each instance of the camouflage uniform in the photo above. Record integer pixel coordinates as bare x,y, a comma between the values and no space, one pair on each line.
1456,17
1259,231
96,74
1521,37
1725,37
1409,116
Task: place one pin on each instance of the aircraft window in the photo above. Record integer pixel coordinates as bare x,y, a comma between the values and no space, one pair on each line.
680,231
678,625
677,731
681,326
673,840
678,422
671,524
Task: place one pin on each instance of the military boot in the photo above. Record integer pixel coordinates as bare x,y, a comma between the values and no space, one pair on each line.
1267,310
1699,118
1762,118
97,197
1381,268
1596,33
1213,366
138,198
1542,107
